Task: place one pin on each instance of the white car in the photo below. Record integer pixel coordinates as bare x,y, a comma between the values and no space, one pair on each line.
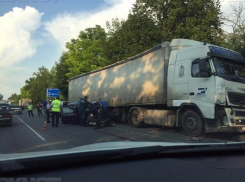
15,109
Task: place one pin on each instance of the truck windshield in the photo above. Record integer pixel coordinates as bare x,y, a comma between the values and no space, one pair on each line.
229,70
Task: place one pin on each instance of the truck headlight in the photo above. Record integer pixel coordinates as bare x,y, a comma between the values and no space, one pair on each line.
232,112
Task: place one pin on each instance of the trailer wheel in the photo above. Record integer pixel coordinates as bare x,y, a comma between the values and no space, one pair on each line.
134,118
192,123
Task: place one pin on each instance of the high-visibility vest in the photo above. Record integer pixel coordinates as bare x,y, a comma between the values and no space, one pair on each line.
56,106
29,107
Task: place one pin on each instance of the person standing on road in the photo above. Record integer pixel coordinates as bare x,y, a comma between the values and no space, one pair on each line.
104,106
44,104
95,107
29,108
48,111
82,108
56,109
39,110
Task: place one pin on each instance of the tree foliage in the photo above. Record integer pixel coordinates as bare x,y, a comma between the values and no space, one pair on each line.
86,53
35,87
198,20
1,97
15,97
133,36
60,78
236,21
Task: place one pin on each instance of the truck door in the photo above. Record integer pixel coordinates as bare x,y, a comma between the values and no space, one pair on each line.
202,86
181,90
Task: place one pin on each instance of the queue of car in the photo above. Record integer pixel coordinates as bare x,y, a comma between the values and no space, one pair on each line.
6,116
15,109
69,114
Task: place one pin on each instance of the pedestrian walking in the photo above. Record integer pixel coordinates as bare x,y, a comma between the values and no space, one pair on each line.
39,110
82,110
44,104
56,109
29,108
48,106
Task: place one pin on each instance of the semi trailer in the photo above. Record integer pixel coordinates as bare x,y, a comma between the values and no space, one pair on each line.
184,83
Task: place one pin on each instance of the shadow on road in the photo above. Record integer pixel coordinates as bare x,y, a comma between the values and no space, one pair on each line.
234,137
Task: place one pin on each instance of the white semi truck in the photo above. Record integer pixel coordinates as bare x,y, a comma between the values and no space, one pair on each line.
24,102
183,83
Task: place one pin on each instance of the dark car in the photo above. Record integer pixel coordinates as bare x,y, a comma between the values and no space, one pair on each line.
6,116
74,106
69,115
15,109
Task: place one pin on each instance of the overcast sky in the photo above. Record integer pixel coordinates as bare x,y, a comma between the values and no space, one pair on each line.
33,33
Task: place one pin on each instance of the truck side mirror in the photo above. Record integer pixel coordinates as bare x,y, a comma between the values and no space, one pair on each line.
204,72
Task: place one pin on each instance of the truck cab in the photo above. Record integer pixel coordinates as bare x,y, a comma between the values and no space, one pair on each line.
208,87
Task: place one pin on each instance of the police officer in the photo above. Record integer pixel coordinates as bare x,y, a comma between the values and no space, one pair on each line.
95,107
104,106
44,104
48,111
82,107
29,108
56,109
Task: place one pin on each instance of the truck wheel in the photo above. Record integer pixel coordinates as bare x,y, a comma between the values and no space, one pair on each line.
134,118
192,123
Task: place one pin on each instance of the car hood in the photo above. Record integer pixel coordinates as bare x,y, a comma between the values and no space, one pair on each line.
104,151
99,147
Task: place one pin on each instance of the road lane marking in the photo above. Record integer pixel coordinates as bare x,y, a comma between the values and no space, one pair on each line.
31,129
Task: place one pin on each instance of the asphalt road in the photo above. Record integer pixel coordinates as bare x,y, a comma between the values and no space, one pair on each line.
26,135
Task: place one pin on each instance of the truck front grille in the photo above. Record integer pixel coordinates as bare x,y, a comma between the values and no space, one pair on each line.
240,122
236,98
240,113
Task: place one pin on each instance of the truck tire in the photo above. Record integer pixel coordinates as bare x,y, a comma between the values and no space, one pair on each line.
192,123
134,118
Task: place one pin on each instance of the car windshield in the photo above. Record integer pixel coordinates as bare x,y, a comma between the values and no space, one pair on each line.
81,72
4,107
67,110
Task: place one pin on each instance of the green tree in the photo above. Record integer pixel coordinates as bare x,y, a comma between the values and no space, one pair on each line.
24,93
236,20
133,36
198,20
60,79
86,53
35,87
1,97
15,97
